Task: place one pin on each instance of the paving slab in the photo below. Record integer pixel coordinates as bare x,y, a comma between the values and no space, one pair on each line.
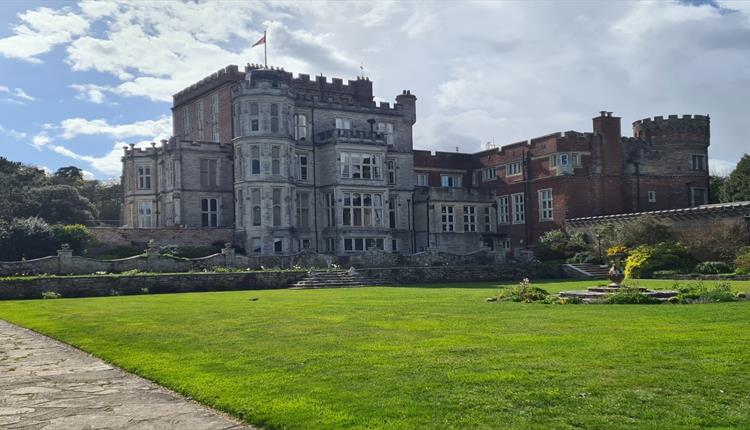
48,385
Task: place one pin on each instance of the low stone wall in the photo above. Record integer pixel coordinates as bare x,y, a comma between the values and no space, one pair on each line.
65,263
102,285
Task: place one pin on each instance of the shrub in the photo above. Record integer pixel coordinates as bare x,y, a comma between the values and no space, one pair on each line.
630,296
712,267
742,262
558,245
644,260
583,257
27,238
523,292
50,295
698,292
75,235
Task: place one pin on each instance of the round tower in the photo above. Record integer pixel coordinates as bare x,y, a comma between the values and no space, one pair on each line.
687,129
263,109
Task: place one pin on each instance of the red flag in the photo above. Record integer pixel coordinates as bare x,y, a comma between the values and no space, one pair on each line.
261,41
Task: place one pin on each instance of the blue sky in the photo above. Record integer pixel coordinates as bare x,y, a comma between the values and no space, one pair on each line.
79,80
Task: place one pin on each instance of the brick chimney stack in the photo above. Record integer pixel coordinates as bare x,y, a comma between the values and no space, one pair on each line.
607,127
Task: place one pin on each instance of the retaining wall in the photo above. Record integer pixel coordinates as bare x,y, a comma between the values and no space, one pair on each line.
65,263
102,285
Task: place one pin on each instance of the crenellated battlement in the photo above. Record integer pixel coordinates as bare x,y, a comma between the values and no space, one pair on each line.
674,129
660,118
170,145
228,74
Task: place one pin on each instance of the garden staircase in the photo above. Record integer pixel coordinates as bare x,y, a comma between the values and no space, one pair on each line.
332,279
586,271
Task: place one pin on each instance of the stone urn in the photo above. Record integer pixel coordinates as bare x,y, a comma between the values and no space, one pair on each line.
616,274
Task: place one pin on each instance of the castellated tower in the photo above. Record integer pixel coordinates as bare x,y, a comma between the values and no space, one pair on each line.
264,159
667,161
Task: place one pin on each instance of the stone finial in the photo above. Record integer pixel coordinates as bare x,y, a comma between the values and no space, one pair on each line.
151,248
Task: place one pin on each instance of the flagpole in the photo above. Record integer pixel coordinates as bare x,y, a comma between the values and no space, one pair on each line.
265,49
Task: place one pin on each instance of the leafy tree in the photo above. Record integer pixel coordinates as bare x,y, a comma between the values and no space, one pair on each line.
715,184
737,185
70,175
15,181
60,204
26,238
75,235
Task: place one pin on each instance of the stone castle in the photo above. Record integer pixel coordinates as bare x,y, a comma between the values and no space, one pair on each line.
293,163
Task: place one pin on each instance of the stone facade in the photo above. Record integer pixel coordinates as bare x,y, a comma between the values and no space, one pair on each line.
291,163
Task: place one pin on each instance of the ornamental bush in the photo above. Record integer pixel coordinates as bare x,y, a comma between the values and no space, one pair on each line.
644,260
712,268
77,236
559,245
698,292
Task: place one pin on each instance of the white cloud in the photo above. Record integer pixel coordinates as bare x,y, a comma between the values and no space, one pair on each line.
90,92
73,127
549,67
13,133
16,95
109,164
40,140
41,30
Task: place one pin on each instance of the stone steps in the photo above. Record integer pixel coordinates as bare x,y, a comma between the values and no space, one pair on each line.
331,279
587,270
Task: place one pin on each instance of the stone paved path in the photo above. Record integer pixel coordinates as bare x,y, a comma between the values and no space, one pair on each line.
45,384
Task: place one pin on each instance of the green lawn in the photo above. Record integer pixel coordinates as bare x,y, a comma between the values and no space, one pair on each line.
434,357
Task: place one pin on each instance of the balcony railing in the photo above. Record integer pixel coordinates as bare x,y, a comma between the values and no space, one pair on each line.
350,136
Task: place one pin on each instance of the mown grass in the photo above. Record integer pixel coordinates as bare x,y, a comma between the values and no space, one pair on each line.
434,357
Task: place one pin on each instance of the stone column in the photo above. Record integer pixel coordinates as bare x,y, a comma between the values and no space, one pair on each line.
228,252
152,256
64,259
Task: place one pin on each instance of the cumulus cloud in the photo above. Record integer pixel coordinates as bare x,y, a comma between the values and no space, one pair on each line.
108,163
550,66
41,30
73,127
90,92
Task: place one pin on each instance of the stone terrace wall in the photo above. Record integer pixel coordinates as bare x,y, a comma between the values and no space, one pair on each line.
110,285
65,263
93,286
